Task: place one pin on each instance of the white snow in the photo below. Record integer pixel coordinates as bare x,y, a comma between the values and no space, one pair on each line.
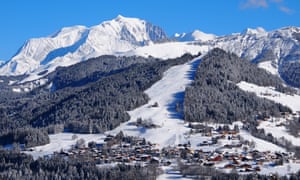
281,170
261,145
167,50
269,67
195,36
279,131
11,82
292,101
258,30
63,141
170,173
18,90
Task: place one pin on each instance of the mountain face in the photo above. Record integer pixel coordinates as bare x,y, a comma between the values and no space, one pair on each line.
194,36
252,44
73,44
1,62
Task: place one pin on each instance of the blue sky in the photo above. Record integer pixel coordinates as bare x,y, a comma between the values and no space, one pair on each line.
21,20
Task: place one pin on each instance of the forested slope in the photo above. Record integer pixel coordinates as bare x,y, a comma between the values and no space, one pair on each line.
215,97
87,99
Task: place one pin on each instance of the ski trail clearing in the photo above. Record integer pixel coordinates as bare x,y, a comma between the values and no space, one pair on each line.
167,92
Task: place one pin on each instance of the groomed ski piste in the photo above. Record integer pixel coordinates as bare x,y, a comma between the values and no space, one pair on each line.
166,93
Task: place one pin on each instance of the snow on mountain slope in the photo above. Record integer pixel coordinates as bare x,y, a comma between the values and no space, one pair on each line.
167,50
37,50
279,131
258,44
292,101
258,31
166,92
269,67
194,36
1,62
161,50
74,44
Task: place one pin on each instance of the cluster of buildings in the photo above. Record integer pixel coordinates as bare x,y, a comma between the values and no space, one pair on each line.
116,149
233,153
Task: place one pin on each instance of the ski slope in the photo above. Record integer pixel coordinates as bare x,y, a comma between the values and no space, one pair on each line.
166,92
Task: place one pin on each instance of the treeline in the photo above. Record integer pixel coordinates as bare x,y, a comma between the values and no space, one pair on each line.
95,106
28,136
92,70
15,165
214,95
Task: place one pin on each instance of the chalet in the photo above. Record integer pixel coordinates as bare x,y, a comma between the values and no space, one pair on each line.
216,158
235,161
145,157
108,138
229,166
245,166
257,168
209,164
204,143
247,158
249,170
166,163
154,160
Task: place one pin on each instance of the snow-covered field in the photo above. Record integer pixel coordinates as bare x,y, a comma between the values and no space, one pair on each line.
292,101
62,141
268,66
279,131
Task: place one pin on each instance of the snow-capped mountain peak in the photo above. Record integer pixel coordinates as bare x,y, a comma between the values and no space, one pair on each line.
258,30
71,45
196,35
2,62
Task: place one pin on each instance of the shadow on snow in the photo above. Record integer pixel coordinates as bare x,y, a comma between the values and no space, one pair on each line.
175,108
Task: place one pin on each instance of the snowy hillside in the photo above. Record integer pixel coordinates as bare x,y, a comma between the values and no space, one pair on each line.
74,44
292,101
171,124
